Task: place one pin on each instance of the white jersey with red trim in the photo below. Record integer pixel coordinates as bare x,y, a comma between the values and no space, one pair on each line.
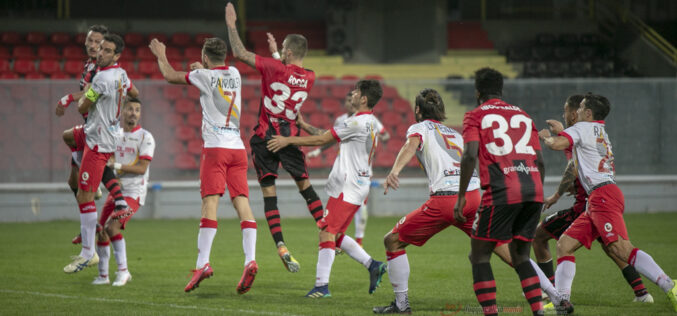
440,155
220,98
342,118
108,91
134,146
592,150
351,173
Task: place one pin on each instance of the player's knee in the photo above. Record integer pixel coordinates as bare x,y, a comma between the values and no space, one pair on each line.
563,248
390,241
267,181
110,229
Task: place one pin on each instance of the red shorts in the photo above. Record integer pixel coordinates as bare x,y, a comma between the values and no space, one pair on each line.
79,137
603,219
221,167
435,215
91,169
337,215
109,208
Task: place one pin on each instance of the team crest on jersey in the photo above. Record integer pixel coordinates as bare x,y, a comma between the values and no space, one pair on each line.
608,227
401,221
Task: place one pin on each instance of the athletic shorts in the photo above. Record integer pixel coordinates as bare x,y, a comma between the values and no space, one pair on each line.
337,215
502,223
435,215
79,139
266,162
221,167
556,223
91,169
109,208
603,219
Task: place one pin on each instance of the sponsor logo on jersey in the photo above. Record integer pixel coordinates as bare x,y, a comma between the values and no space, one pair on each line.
520,168
303,83
501,107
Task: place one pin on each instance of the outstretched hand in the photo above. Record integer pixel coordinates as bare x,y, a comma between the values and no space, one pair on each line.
555,126
157,48
544,133
231,16
392,181
277,143
196,65
272,44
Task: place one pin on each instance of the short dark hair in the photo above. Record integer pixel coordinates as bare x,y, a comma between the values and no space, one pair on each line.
370,89
430,105
574,101
297,44
132,100
215,49
99,28
488,81
117,40
599,105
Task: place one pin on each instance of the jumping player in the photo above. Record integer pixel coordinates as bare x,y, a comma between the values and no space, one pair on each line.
555,224
224,159
347,186
103,102
604,216
131,162
504,139
285,84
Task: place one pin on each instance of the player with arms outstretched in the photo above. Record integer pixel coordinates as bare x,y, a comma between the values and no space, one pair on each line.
504,140
603,218
285,84
224,159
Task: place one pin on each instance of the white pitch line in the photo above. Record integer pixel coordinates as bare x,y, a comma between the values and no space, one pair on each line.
113,300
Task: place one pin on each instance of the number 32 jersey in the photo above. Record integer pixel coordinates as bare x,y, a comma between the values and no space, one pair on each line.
508,141
283,90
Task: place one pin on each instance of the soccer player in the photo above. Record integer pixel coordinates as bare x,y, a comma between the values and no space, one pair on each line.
347,186
224,159
504,140
555,224
362,214
75,137
285,84
133,155
437,148
604,216
102,132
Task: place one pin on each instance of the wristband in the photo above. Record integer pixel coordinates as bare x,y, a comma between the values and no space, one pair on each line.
276,55
66,100
117,166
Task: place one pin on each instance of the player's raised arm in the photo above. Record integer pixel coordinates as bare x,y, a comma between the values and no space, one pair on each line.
407,152
554,142
278,142
272,46
66,101
139,167
312,130
239,51
171,75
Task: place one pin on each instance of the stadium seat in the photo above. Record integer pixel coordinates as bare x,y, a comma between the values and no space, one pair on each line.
136,76
177,64
193,92
11,38
148,67
73,67
160,37
185,133
9,75
195,146
319,120
173,92
180,39
157,76
48,52
194,119
373,77
59,38
49,67
185,162
80,38
326,77
185,106
389,92
144,53
199,38
402,106
36,38
134,39
60,76
309,106
352,79
4,65
173,53
128,54
74,52
34,76
24,66
23,51
175,119
192,54
340,91
391,118
4,53
330,106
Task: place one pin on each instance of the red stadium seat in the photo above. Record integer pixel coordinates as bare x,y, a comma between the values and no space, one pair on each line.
185,106
4,53
60,38
160,37
9,75
185,133
73,67
36,38
193,92
391,118
80,38
200,38
24,66
319,120
195,146
144,53
34,76
23,51
192,54
340,91
135,76
185,162
175,119
157,76
48,52
402,106
330,106
4,65
351,78
373,77
128,54
390,92
133,39
309,106
194,120
177,64
173,92
49,67
326,77
173,53
60,76
148,67
180,39
11,38
74,52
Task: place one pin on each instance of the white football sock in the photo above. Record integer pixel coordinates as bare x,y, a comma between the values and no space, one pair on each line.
88,233
120,251
645,265
104,255
564,277
360,221
249,244
353,249
325,259
546,285
204,245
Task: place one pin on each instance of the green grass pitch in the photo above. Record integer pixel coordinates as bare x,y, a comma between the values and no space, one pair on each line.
161,253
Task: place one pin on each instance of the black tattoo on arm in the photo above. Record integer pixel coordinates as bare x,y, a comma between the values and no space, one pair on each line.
568,178
239,51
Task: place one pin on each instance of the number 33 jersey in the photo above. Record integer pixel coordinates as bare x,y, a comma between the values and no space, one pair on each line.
283,90
508,141
440,155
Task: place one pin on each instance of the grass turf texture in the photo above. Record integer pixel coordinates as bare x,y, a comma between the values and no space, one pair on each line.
161,253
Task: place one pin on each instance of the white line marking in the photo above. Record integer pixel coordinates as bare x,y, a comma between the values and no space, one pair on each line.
113,300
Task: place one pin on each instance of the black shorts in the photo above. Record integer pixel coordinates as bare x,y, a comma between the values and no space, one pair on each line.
556,223
266,162
504,222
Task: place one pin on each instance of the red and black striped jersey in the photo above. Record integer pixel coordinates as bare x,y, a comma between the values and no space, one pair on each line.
508,141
